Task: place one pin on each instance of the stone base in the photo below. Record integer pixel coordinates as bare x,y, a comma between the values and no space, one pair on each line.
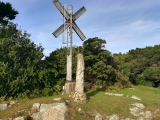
79,97
69,87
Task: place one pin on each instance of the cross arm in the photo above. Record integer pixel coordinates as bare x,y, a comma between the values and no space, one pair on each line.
78,31
79,13
60,30
60,7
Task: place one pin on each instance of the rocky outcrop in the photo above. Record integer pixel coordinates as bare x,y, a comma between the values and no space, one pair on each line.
138,111
54,111
3,106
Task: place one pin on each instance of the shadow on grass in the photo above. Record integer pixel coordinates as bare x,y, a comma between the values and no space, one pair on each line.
94,92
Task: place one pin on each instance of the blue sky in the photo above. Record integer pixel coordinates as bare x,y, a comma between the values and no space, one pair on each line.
124,24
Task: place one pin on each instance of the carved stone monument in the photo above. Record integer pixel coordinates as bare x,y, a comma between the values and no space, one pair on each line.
80,74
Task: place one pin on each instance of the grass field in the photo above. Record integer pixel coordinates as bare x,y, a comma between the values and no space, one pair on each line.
98,102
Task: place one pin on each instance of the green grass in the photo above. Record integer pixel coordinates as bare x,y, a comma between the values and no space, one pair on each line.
108,105
98,102
150,96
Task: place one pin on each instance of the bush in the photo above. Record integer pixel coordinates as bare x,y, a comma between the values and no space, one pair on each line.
47,92
22,95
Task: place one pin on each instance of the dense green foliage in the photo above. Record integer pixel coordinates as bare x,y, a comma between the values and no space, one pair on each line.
19,61
141,65
100,66
6,13
23,72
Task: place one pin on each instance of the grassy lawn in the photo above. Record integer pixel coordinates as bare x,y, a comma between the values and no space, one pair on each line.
108,105
98,102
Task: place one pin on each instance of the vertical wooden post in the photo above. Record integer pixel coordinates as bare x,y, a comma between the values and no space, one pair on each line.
69,56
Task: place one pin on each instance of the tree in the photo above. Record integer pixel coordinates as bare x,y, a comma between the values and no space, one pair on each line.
141,65
153,74
7,12
100,66
20,60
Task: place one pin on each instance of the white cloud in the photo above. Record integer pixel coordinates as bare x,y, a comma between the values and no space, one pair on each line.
136,34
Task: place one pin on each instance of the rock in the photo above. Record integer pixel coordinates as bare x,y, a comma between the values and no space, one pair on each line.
67,101
79,109
57,99
12,103
21,118
135,111
98,117
113,94
20,112
146,115
79,97
138,111
134,97
9,106
3,106
80,74
36,106
37,116
114,117
54,111
139,105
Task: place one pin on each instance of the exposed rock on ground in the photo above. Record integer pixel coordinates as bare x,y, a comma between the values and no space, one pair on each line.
138,111
57,99
113,94
3,106
98,117
78,97
120,95
114,117
134,97
54,111
36,106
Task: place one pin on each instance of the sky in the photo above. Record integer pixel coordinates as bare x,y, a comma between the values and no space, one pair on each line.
124,24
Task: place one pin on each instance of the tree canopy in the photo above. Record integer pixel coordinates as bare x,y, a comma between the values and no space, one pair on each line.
7,12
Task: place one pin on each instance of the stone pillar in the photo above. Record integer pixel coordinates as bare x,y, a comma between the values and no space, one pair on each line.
80,74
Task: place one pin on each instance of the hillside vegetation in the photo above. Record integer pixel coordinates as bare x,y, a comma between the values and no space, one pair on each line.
98,102
24,74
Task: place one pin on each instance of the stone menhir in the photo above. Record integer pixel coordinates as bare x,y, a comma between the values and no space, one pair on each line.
80,74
